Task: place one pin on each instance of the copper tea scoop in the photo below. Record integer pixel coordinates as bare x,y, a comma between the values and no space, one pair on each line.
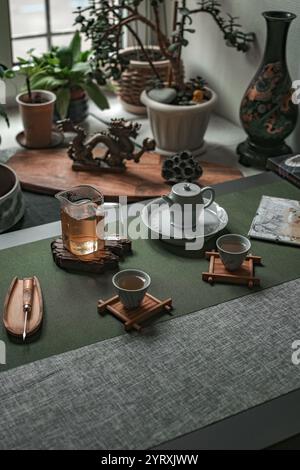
28,286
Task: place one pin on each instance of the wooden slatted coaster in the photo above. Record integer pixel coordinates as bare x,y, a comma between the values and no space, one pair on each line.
244,276
133,319
97,263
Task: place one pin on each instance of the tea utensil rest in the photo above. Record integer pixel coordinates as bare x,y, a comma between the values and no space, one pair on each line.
243,276
133,319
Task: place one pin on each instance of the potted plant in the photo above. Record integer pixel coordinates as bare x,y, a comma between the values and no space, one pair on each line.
68,73
36,107
138,73
179,112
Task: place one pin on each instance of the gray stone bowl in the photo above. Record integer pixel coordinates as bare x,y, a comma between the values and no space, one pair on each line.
12,205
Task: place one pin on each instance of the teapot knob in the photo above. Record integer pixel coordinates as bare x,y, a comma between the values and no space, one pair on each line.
187,187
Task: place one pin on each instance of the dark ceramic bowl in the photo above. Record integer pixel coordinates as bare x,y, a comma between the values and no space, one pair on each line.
12,205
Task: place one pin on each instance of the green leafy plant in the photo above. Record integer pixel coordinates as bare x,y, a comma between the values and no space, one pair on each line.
104,22
64,71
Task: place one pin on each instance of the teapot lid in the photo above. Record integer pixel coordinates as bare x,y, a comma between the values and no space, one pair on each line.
186,190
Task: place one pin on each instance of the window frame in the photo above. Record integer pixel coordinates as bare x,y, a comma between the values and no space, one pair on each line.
5,40
48,35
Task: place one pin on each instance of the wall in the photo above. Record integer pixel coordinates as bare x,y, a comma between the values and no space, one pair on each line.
228,71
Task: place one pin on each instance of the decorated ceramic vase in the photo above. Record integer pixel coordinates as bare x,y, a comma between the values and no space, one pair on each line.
268,114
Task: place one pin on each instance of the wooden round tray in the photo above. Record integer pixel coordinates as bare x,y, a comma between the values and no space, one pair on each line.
50,171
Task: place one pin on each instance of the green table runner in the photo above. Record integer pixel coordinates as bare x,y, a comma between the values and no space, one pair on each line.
70,300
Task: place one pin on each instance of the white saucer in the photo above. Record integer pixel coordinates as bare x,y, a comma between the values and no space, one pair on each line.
156,217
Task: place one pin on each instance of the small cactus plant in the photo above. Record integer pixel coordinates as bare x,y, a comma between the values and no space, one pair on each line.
181,167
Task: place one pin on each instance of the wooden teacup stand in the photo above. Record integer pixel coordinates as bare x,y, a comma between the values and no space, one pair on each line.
133,319
98,263
243,276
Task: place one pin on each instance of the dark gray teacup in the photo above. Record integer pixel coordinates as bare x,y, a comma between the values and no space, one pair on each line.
131,286
233,250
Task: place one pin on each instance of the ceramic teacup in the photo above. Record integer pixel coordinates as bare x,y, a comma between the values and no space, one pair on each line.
233,250
131,286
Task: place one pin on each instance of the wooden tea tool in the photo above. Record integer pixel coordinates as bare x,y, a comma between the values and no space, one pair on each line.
28,285
23,308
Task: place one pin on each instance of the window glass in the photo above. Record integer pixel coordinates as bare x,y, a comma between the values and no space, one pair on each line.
27,17
62,16
65,39
21,46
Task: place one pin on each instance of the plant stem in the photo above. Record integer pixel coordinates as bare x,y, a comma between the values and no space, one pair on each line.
143,49
175,17
29,89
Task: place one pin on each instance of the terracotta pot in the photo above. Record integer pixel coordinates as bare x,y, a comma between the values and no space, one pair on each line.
179,128
37,118
12,205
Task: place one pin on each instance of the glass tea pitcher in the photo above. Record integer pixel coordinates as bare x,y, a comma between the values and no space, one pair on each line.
83,219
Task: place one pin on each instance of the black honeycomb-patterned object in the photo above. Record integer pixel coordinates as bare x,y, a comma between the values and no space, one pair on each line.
181,167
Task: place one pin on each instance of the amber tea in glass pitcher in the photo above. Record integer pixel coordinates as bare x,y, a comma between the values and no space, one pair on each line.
82,220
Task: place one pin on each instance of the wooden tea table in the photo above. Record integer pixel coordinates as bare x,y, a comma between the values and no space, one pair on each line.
256,427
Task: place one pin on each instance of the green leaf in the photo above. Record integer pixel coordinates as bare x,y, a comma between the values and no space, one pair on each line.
4,115
65,56
75,46
82,67
63,98
84,56
95,94
3,69
174,47
47,83
9,74
184,11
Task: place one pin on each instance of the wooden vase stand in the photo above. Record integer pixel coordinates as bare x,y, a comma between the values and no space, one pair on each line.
243,276
97,263
133,319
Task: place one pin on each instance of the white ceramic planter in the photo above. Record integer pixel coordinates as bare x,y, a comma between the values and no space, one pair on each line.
179,128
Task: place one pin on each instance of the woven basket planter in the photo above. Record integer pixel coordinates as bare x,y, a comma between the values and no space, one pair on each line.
134,80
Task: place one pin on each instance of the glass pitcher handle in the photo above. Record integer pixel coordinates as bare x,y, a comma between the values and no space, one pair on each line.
113,219
212,196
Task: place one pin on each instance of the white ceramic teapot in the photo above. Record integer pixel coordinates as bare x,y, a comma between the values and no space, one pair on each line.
189,198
